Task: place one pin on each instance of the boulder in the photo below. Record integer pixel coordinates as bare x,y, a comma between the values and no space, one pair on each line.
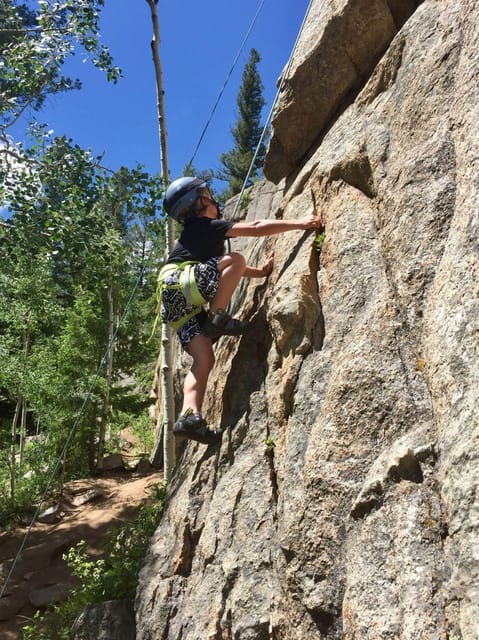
89,495
339,47
42,596
143,467
10,604
113,620
50,514
113,462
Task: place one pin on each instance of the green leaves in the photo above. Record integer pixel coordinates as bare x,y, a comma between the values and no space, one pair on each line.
246,132
34,46
319,241
78,239
44,39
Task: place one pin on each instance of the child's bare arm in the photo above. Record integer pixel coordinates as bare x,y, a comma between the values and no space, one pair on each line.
266,227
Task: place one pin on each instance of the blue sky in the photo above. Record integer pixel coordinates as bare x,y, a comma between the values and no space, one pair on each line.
199,41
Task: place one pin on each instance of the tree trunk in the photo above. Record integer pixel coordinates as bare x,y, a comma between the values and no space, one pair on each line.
23,401
13,450
23,432
108,378
168,405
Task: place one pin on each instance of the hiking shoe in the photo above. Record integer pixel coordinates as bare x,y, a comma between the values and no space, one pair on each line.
222,324
192,426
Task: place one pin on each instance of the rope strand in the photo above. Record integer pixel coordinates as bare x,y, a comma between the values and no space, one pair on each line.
270,114
210,117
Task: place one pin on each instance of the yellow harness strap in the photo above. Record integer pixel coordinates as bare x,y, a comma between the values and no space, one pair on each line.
187,284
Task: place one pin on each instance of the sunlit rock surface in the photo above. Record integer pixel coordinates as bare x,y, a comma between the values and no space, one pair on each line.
343,501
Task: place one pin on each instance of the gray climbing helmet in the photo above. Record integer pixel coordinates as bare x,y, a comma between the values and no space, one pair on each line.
181,196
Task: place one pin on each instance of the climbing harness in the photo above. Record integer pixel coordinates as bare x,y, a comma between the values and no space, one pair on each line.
186,282
188,286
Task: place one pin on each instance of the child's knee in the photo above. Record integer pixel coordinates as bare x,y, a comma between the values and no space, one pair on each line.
238,261
209,361
201,350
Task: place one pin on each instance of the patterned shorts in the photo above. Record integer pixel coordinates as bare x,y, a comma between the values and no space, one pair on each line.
174,305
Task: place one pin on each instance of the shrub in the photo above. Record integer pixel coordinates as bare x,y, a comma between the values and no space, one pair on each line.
112,577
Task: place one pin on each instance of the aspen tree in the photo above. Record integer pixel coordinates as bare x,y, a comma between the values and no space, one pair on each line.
166,356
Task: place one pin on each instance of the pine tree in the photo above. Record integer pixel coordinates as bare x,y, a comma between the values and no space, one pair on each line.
246,132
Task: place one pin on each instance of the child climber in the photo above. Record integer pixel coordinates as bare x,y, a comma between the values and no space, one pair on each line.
199,272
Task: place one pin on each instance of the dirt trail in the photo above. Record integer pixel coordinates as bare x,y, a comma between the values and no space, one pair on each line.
41,565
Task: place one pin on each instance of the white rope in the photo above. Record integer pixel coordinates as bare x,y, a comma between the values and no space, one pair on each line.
258,11
273,106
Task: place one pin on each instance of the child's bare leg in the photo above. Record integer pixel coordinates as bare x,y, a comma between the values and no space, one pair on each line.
231,268
191,425
200,349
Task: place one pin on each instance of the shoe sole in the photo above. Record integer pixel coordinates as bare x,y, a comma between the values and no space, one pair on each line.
204,438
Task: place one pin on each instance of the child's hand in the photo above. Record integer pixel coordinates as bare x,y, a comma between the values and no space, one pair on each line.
311,222
260,272
268,265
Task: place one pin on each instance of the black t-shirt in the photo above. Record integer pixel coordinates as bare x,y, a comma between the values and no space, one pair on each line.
201,239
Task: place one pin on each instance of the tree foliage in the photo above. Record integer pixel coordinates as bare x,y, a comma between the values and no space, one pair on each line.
70,258
77,241
34,45
246,132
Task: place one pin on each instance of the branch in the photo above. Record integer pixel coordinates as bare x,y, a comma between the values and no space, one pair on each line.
21,32
8,151
17,117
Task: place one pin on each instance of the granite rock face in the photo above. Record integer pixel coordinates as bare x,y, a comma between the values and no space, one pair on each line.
343,500
338,48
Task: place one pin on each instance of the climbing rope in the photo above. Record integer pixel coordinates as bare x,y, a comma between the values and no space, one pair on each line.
210,117
271,111
72,430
